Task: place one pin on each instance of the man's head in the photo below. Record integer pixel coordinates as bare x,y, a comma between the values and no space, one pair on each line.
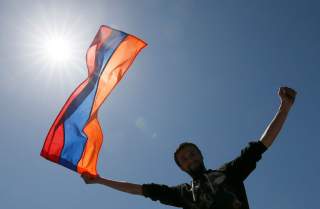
189,158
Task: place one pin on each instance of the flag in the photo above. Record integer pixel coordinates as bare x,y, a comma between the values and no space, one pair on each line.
75,138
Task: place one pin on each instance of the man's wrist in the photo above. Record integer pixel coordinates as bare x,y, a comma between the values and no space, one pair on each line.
285,107
97,180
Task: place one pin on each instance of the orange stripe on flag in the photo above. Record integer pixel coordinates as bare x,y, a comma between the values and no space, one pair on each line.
116,68
113,72
89,158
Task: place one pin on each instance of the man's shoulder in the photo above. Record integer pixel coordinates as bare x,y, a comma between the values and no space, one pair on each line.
216,176
216,172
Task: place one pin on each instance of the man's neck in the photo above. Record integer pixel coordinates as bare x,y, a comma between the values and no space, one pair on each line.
198,175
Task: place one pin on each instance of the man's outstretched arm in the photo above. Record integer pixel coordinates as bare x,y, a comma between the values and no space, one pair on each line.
118,185
163,193
241,167
287,97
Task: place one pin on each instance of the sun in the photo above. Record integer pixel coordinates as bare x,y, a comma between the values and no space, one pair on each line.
55,43
58,50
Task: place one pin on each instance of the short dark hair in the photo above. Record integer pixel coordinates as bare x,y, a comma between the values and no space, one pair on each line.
181,147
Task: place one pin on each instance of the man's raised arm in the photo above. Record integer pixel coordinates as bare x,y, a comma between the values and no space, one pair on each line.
241,167
287,97
118,185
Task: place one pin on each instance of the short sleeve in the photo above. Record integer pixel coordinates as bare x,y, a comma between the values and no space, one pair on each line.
241,167
165,194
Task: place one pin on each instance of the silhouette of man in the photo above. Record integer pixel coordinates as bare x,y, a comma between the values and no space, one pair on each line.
222,188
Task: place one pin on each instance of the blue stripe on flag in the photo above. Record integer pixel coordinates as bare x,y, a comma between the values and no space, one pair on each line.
78,112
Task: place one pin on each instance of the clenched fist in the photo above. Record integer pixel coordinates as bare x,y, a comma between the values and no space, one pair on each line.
287,96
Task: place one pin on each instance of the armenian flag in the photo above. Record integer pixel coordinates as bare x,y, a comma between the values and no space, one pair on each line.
75,138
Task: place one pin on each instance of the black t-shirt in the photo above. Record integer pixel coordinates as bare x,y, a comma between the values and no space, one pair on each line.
215,189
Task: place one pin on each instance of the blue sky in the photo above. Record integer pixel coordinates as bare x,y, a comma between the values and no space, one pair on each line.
210,75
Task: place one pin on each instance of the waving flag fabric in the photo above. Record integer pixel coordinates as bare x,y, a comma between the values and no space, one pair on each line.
75,138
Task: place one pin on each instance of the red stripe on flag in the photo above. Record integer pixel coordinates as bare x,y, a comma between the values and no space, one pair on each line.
55,139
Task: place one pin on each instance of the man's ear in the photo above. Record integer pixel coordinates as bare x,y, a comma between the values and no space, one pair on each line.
201,156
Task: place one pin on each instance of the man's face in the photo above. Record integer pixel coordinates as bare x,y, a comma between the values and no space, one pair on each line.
190,160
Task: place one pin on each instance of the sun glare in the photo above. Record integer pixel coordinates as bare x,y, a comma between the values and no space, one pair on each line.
55,44
57,47
58,50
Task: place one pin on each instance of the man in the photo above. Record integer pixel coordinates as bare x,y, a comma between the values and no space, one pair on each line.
210,189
